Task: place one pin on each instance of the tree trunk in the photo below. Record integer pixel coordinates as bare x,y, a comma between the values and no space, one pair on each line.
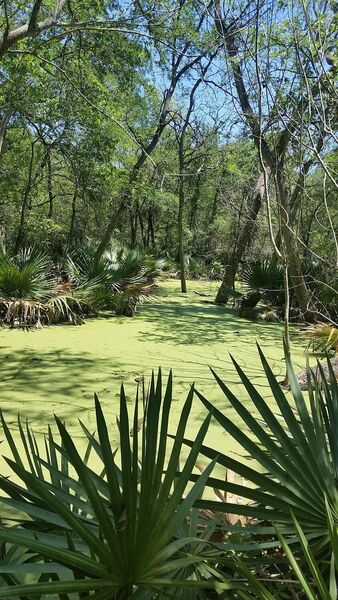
72,219
50,184
297,280
144,236
133,228
181,200
3,127
32,27
150,233
24,206
194,203
244,239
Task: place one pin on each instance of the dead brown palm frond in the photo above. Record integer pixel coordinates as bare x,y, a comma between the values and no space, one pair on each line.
64,287
125,302
66,307
21,312
322,337
29,313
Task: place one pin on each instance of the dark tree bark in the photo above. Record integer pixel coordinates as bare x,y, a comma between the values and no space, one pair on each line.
143,231
151,232
244,239
133,227
50,184
25,202
3,127
72,218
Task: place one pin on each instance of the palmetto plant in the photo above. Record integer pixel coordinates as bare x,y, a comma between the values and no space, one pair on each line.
119,280
114,269
28,292
32,294
295,455
26,275
262,275
305,576
264,281
139,526
125,529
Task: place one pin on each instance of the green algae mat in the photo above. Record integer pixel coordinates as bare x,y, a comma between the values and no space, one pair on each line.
58,369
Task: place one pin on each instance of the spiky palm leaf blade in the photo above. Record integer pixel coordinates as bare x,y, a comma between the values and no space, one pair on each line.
110,270
306,573
117,533
263,275
154,267
127,264
33,256
295,454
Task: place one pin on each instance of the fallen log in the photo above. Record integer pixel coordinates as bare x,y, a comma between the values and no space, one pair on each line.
302,376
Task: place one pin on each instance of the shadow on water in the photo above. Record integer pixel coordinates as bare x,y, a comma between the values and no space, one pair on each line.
194,324
39,384
207,326
62,367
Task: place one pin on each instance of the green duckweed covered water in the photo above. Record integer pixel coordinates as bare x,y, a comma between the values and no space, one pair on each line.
58,369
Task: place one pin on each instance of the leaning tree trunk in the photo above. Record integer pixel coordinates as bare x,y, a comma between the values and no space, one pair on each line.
3,127
244,239
25,206
297,281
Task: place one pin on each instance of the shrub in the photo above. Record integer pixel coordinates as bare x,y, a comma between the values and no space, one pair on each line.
126,528
33,291
264,281
118,281
295,454
265,277
26,275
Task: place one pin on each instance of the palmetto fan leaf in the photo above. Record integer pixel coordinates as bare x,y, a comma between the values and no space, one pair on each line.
117,281
295,454
25,276
262,275
33,256
117,533
114,270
